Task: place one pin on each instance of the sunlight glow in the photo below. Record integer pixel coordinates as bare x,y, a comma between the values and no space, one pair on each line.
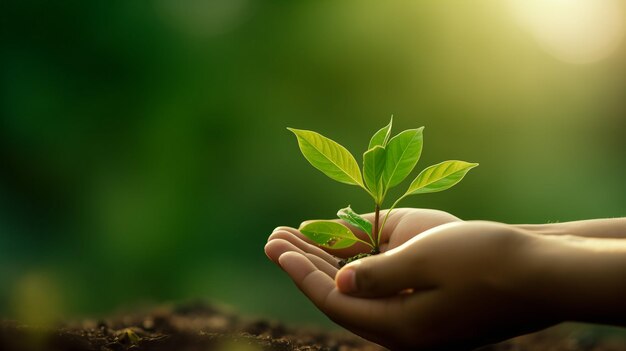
575,31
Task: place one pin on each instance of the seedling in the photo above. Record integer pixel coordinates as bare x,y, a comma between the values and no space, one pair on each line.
386,163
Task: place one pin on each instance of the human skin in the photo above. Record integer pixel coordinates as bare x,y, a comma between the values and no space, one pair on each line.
442,283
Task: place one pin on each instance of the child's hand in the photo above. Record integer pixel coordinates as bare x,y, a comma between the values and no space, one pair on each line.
457,284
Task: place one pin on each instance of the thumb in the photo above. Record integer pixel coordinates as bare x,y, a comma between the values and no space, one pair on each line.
382,275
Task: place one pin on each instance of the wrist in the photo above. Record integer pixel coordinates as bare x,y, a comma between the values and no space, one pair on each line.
579,279
544,229
596,228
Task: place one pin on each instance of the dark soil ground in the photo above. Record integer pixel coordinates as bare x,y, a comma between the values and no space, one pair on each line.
200,326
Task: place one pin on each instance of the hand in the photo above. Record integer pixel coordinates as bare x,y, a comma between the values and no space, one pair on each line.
459,284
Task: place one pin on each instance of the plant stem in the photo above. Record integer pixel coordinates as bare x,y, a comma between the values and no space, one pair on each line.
375,239
386,217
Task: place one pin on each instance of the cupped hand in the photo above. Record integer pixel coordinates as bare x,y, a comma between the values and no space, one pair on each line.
458,284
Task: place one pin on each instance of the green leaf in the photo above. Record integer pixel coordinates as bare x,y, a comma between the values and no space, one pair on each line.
329,234
348,215
381,137
403,152
440,177
373,166
329,157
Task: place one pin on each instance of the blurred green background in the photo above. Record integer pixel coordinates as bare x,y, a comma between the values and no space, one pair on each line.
144,156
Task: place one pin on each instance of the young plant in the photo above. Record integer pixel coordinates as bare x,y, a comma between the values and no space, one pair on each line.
386,163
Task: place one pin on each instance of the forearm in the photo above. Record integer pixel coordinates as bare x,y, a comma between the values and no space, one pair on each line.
580,279
593,228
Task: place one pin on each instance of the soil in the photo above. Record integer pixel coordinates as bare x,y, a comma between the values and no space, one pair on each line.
357,257
353,258
202,326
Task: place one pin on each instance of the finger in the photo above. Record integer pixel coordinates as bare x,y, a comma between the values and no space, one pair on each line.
386,274
275,248
304,246
322,265
310,280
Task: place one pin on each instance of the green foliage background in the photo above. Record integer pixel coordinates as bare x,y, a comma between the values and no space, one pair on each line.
144,156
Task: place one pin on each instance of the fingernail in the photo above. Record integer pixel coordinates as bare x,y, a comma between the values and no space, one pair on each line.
346,280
